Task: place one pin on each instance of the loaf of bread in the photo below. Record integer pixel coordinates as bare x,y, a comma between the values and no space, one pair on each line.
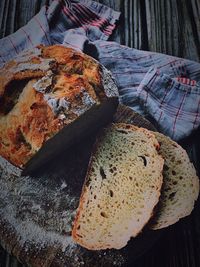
180,184
51,90
122,187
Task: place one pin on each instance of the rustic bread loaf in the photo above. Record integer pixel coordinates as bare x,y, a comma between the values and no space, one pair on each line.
49,90
180,184
122,187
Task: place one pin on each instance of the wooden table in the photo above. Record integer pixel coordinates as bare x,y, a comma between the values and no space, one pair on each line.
171,27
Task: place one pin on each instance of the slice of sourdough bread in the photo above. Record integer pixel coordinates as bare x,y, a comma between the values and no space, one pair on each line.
180,184
122,187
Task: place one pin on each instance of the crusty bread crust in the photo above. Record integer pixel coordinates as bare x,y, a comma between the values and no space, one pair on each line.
180,187
41,91
85,219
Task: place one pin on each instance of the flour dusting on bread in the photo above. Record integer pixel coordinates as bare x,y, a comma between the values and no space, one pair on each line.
45,90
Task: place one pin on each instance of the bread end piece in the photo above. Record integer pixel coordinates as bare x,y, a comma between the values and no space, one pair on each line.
180,184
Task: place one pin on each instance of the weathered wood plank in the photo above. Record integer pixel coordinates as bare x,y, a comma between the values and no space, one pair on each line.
173,27
4,17
10,23
2,6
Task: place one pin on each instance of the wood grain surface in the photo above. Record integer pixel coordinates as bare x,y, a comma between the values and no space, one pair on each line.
171,27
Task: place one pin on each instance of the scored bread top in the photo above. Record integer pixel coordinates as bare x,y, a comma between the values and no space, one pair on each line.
42,90
180,184
122,187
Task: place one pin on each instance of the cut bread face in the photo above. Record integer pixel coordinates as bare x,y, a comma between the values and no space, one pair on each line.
50,98
180,184
122,187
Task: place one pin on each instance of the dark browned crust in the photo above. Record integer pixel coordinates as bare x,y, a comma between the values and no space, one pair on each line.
25,131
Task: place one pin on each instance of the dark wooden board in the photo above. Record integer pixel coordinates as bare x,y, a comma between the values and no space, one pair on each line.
37,212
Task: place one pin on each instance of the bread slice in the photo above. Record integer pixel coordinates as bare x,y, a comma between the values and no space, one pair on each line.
122,187
180,184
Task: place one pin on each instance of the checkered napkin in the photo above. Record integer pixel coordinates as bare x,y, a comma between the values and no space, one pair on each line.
163,88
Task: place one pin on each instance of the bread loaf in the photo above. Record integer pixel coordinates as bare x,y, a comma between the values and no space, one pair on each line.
180,184
122,187
51,90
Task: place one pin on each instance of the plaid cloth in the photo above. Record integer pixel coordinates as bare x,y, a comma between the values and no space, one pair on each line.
163,88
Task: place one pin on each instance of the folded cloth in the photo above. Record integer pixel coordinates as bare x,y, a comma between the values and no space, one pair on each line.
161,87
59,23
172,104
